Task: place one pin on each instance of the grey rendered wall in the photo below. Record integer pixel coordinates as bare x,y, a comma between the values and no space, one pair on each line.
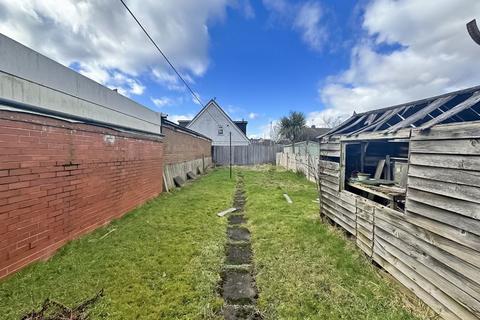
31,78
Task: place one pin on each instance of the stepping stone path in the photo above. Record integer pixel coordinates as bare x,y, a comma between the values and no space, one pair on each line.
237,286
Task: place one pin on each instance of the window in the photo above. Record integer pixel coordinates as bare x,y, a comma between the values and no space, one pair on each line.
377,170
220,130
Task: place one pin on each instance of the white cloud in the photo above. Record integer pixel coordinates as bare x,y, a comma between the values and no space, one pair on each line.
305,18
308,21
232,110
264,131
176,117
124,84
245,6
162,102
253,115
325,119
429,53
101,39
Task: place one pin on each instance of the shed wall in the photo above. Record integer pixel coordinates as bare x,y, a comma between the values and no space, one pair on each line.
433,248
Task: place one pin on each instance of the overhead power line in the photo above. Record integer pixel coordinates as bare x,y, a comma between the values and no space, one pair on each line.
195,96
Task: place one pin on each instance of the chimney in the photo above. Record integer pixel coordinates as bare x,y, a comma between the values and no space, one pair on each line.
313,126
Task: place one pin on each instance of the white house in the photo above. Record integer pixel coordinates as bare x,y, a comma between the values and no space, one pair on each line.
214,123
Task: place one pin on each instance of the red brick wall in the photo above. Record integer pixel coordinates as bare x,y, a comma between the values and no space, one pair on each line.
181,146
59,180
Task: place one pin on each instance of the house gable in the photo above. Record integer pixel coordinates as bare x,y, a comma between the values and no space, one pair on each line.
212,120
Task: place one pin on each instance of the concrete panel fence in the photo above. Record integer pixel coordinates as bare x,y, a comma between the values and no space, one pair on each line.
306,164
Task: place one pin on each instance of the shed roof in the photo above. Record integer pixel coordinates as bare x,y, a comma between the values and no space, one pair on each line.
458,106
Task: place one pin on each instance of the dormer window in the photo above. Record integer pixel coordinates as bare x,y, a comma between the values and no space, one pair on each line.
220,130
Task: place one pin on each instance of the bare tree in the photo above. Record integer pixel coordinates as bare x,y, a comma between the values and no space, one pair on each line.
275,135
331,121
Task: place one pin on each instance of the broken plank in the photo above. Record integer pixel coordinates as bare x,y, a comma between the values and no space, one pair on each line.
287,198
230,210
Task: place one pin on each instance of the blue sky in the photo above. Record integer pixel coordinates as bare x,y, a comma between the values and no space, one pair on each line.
260,68
260,59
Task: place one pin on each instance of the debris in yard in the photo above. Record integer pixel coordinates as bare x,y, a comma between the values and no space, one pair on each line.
221,214
191,175
287,198
179,182
52,310
165,182
106,234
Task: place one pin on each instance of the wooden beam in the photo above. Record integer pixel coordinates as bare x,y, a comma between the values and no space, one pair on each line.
379,122
340,126
420,114
475,98
351,125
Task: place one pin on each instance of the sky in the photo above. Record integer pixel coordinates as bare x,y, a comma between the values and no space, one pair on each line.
260,59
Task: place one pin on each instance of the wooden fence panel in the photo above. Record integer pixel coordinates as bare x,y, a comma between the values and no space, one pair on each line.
246,155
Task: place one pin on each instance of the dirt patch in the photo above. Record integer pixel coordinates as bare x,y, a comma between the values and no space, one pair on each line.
236,219
234,312
239,202
239,253
238,286
238,234
52,310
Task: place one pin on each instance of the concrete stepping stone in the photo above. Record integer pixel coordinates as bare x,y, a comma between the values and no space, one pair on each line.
239,253
191,175
238,234
236,219
179,182
238,286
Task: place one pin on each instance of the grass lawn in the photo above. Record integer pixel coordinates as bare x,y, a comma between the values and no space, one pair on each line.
163,260
306,269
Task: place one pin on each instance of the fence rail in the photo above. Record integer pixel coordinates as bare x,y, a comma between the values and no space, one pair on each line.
246,155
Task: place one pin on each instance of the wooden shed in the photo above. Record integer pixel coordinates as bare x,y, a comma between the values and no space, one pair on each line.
405,182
